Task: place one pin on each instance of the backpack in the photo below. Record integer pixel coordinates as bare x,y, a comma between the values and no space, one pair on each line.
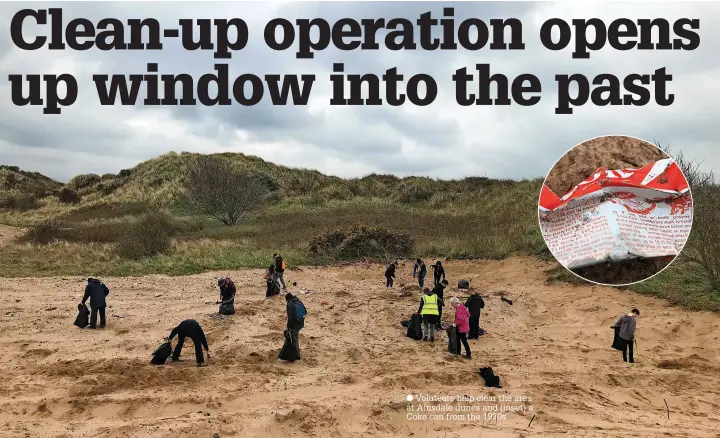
282,263
463,284
300,310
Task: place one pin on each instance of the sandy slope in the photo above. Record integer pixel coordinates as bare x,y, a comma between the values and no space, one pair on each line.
551,345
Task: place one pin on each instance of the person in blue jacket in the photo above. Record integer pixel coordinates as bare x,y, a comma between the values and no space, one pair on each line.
420,272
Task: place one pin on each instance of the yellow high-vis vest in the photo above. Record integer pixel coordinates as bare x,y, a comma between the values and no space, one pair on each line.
430,305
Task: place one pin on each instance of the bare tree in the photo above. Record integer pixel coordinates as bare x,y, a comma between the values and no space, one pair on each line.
219,190
703,247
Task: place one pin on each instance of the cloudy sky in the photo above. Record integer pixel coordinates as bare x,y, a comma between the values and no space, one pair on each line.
442,140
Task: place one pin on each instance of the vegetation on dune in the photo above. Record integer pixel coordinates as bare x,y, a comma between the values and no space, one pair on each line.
150,236
171,215
360,242
282,209
214,188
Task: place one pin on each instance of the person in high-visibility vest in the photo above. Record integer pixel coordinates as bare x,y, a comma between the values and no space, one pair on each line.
430,313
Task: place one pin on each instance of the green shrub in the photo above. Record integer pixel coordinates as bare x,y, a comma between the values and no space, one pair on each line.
149,237
68,196
108,176
43,233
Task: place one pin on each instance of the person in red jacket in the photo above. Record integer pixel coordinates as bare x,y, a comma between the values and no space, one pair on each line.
462,322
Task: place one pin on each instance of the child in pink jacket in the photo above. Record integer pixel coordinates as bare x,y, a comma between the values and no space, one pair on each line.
462,322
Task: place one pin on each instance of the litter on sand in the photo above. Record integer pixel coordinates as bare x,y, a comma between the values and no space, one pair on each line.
618,215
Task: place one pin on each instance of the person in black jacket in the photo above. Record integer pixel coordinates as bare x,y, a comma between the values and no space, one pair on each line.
279,270
438,273
190,329
96,291
419,272
474,303
293,324
390,274
439,290
227,288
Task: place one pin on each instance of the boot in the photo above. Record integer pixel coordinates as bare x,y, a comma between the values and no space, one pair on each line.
468,356
432,339
425,338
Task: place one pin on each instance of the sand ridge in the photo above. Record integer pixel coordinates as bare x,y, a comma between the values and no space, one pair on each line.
552,344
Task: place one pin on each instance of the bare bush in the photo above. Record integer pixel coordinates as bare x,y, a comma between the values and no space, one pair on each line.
216,189
703,247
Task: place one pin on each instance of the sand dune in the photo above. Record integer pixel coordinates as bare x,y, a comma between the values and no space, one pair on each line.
552,344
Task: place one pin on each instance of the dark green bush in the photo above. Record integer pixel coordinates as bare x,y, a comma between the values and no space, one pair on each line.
361,242
68,196
19,202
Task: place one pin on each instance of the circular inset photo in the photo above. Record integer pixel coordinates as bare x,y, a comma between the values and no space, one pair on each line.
615,210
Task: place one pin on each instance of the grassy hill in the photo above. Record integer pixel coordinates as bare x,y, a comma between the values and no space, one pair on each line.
468,218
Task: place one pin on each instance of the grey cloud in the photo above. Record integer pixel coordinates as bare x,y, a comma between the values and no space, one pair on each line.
451,141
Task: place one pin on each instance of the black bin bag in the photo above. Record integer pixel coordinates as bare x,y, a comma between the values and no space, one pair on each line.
414,328
289,351
160,356
617,341
453,346
227,307
82,320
